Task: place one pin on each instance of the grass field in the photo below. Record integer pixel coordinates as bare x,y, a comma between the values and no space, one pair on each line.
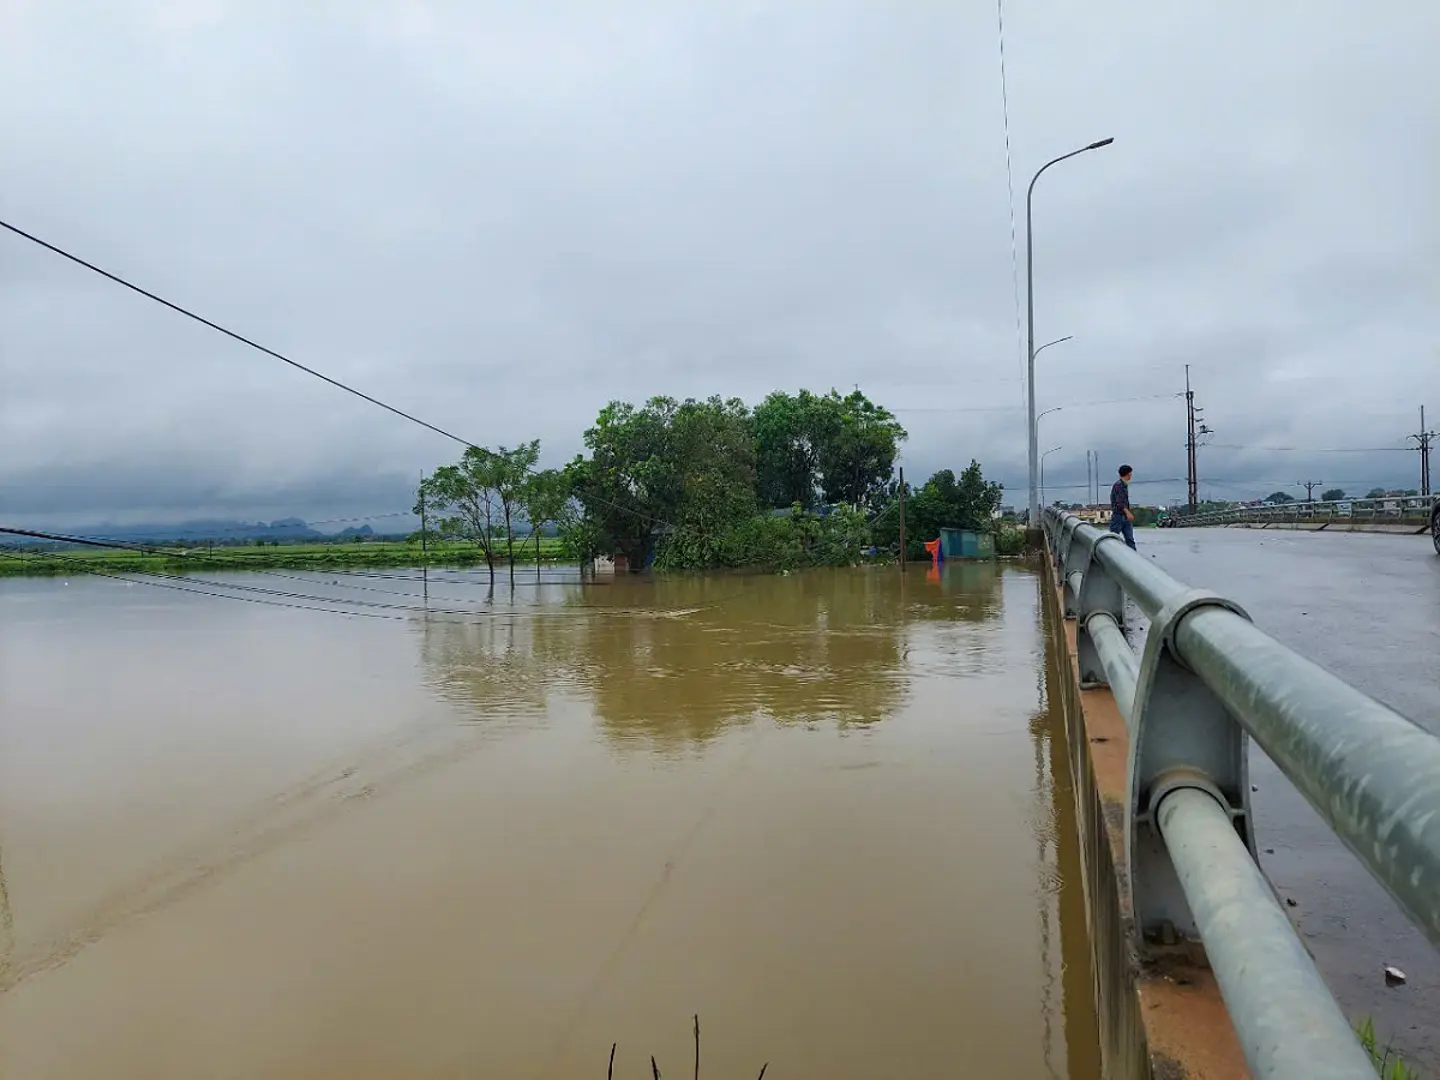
377,554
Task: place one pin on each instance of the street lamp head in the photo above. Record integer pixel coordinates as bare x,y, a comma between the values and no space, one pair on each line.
1098,145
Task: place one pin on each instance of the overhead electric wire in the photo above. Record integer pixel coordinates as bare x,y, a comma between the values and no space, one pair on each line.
257,589
13,553
1313,449
287,598
118,280
1013,408
1010,190
339,605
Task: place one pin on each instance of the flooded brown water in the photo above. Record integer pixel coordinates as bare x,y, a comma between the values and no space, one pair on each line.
822,811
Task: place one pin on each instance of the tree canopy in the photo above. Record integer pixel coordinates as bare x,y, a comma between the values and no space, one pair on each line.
943,502
664,467
1333,495
477,498
798,481
810,447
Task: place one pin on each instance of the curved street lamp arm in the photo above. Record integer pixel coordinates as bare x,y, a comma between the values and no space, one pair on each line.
1096,145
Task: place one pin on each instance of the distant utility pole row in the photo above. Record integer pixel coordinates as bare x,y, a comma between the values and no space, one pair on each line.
1424,440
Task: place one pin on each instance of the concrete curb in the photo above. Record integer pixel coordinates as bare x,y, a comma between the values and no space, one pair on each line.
1159,1010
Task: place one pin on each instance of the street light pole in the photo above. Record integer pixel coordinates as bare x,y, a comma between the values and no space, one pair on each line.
1042,469
1030,350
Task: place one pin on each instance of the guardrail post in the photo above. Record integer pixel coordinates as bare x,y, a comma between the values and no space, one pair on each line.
1099,593
1183,737
1076,558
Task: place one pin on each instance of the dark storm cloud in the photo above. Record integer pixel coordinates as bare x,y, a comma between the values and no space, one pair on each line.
501,216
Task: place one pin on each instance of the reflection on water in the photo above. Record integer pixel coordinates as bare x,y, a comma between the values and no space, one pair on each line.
682,659
826,811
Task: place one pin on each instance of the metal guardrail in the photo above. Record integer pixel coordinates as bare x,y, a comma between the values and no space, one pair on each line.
1206,682
1400,510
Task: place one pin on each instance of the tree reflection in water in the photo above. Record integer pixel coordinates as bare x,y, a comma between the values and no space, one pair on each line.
682,659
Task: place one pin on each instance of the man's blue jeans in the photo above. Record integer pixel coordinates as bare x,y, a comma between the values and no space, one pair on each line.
1121,524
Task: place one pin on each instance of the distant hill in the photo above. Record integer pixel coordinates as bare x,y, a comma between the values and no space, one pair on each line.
291,529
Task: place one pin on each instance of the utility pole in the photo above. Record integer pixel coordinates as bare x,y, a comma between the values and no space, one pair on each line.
1088,477
1190,482
424,543
1195,427
1309,486
1424,440
902,519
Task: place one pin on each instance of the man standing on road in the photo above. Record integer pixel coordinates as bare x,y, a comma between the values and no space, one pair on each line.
1122,518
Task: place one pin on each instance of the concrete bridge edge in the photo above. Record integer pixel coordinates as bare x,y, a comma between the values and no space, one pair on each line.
1159,1009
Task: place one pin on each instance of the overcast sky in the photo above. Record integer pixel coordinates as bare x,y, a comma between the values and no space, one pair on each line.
499,216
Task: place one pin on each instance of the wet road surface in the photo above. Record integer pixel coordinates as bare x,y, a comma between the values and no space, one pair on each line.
1366,607
822,811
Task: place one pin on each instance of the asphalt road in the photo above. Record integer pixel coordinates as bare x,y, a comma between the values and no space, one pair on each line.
1366,607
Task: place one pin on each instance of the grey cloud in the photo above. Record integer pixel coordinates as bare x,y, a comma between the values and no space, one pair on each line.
499,217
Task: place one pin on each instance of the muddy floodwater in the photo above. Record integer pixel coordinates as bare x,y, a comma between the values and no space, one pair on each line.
821,810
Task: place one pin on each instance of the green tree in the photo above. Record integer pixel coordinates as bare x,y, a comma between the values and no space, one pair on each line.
787,457
544,496
681,471
477,498
943,502
856,444
1279,497
1333,495
1375,493
580,534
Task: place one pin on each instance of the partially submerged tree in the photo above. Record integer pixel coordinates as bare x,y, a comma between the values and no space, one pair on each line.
858,442
477,499
544,495
943,502
682,471
787,452
840,448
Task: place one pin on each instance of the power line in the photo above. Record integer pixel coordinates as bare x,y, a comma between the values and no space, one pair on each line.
187,313
279,597
1310,449
193,557
375,610
141,579
1016,408
1010,189
231,333
235,586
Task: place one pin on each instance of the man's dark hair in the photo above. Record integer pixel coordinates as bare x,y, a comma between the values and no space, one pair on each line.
1125,470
